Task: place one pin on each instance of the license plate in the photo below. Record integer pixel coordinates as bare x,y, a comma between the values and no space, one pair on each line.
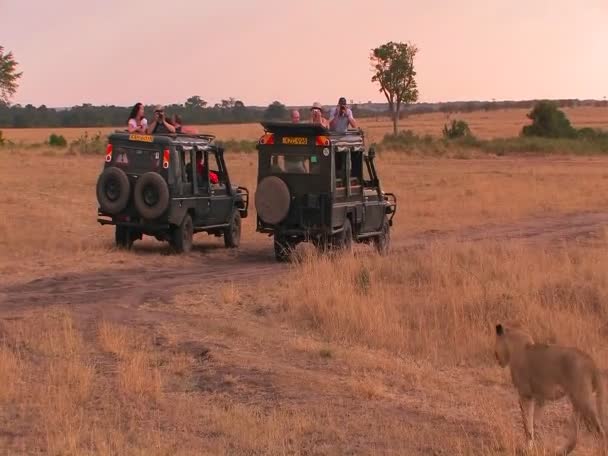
294,140
144,138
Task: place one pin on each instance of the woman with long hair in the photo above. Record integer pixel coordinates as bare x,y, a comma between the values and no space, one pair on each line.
137,123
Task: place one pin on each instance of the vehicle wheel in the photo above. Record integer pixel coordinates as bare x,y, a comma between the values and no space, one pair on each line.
151,196
113,189
124,237
232,234
382,242
282,249
272,200
344,239
181,237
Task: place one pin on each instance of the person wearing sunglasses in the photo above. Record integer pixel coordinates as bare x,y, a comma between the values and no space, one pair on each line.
160,123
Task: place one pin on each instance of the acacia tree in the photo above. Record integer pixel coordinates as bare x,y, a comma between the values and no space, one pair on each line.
8,76
393,65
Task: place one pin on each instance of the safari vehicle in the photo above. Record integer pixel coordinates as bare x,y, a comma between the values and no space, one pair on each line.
319,186
151,185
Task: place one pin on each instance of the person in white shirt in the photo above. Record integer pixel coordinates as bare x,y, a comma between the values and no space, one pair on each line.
341,117
137,123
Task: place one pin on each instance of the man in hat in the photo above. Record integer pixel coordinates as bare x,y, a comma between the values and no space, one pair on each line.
316,113
341,117
160,123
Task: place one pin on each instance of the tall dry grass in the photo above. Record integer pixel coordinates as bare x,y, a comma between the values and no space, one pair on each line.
441,303
351,354
51,210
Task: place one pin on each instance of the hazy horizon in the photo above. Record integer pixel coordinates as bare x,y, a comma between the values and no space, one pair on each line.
73,52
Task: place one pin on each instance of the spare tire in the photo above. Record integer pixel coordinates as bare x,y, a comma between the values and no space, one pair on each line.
151,196
272,199
113,189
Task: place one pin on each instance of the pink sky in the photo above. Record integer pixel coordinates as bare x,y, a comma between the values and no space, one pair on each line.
120,52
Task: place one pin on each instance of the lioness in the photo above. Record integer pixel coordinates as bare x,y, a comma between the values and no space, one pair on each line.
543,373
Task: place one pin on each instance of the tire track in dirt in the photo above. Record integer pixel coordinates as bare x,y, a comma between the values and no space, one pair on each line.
138,284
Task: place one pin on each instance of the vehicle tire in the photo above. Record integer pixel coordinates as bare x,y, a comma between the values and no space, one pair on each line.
344,239
124,237
151,196
282,249
382,242
232,234
181,236
113,190
272,200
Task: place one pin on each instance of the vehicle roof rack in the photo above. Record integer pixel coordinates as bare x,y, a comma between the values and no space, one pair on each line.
302,128
183,138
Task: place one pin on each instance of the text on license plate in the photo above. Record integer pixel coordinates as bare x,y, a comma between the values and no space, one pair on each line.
294,140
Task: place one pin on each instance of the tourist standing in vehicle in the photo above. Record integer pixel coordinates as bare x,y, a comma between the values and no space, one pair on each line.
316,113
159,122
176,120
295,116
341,117
137,123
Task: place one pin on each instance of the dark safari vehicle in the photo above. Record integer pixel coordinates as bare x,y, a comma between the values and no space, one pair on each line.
161,185
319,186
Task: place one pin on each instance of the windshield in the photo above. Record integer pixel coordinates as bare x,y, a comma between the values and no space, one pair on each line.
294,163
136,159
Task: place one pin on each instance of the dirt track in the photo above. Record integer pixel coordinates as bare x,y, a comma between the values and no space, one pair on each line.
134,286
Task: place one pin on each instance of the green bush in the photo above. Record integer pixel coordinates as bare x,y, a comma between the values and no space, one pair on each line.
548,121
586,142
458,129
85,145
57,141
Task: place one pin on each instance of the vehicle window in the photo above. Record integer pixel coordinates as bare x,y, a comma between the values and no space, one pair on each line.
215,167
367,179
340,160
356,163
187,164
294,163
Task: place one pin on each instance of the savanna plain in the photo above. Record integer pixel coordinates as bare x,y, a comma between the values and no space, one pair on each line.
227,352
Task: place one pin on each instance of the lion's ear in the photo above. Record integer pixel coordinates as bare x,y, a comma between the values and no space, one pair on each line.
499,329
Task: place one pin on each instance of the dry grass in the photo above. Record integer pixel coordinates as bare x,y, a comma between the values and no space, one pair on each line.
382,355
51,208
347,355
441,304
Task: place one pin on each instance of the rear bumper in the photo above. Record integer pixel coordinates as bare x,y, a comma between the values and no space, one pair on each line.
301,232
148,227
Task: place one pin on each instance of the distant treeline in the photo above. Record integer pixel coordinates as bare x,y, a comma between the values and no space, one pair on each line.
196,111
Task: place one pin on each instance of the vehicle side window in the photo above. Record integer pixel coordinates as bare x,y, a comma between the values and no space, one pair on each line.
356,170
187,165
367,178
215,167
340,160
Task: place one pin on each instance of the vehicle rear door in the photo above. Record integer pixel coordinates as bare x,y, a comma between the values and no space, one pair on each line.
373,204
220,195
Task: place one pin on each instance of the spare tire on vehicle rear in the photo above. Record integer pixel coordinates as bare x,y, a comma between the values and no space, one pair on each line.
151,196
113,189
272,200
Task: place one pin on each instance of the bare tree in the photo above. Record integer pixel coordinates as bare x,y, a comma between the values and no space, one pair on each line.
394,70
